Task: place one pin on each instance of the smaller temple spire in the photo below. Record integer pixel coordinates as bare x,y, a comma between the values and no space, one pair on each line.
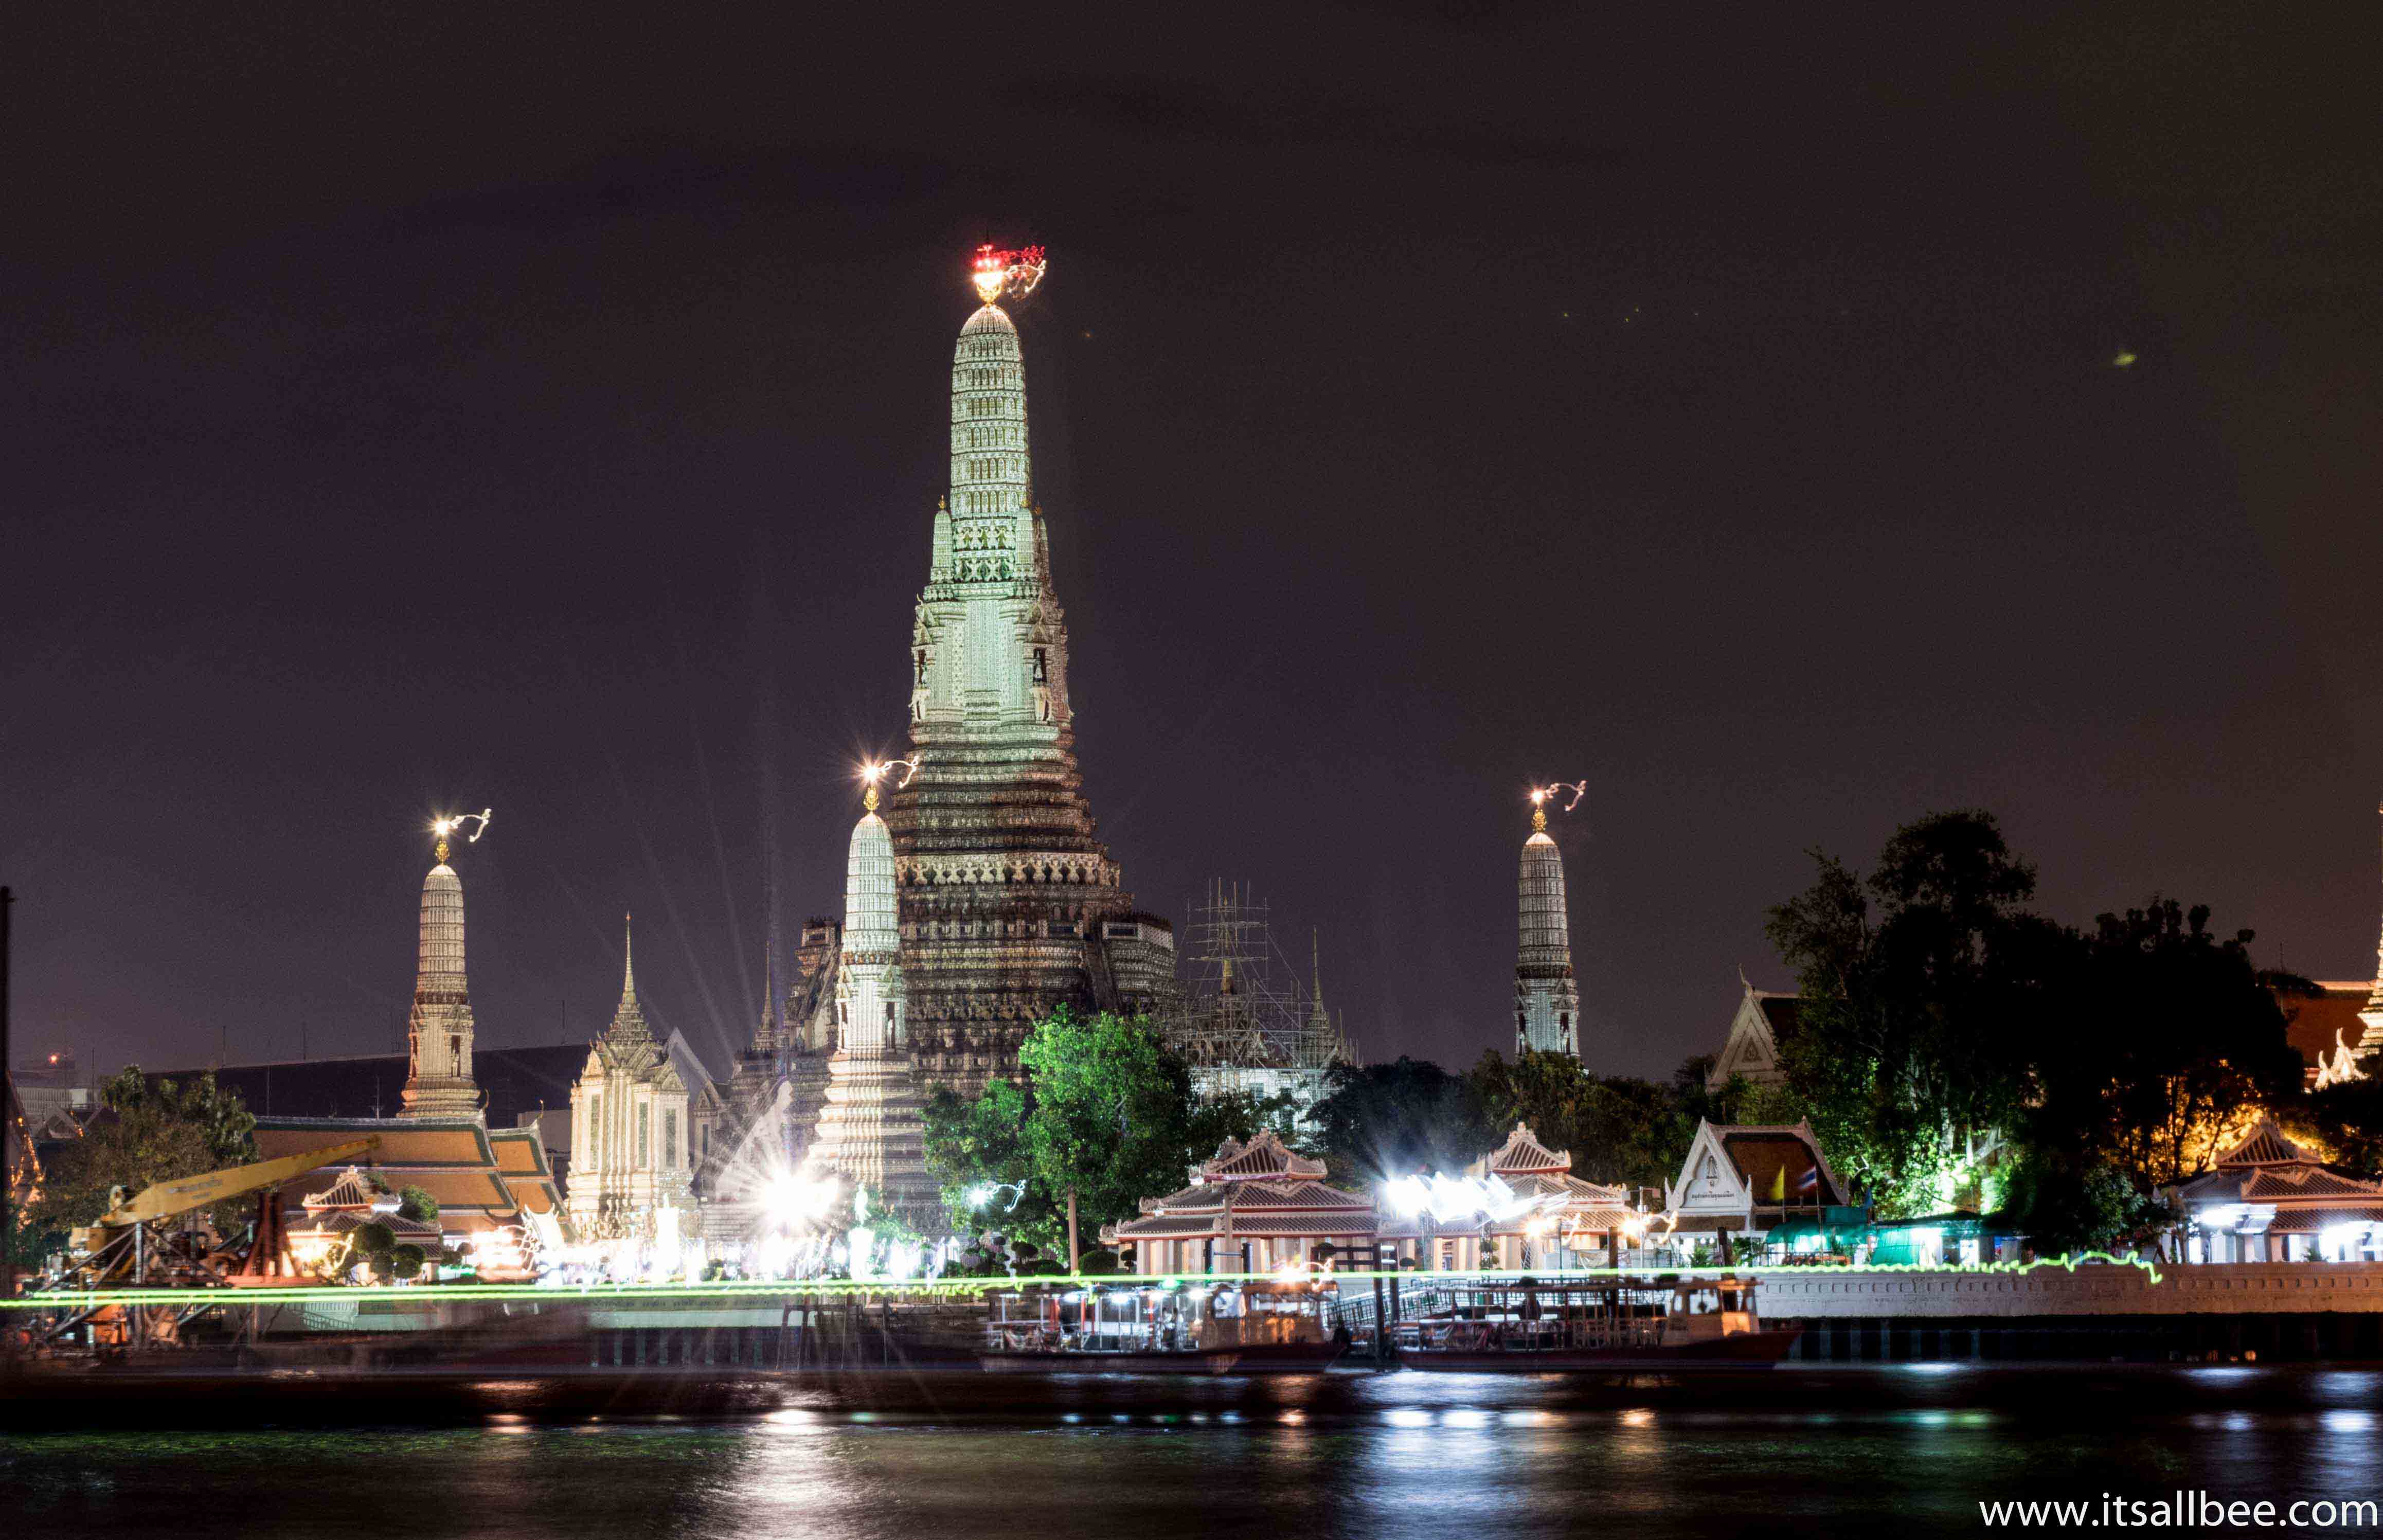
1546,1000
628,1018
438,1080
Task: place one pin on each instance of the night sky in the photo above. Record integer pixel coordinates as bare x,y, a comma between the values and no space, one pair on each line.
541,412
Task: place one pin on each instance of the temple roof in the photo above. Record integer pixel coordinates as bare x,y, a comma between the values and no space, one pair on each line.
2264,1145
1350,1221
1775,1164
1524,1152
2268,1184
1250,1197
454,1160
338,1222
351,1191
1263,1158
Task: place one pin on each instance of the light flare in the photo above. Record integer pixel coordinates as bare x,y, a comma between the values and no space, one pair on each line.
999,274
1541,795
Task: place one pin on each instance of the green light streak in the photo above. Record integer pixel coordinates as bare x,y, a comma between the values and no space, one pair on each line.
960,1288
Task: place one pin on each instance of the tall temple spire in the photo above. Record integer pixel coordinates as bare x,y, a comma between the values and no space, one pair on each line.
1008,901
1547,1001
992,655
439,1030
870,1130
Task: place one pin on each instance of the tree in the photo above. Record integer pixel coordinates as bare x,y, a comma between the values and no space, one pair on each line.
142,1135
1111,1114
2112,1062
413,1202
977,1145
1390,1119
1739,1100
1103,1109
1913,983
1616,1128
2158,1045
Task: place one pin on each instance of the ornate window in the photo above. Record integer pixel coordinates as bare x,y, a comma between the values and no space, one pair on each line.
670,1138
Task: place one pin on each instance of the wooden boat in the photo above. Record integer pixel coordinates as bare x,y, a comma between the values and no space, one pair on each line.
1528,1327
1149,1326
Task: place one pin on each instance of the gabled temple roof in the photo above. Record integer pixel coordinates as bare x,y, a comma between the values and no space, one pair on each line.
351,1191
1263,1158
1523,1153
2264,1145
1775,1165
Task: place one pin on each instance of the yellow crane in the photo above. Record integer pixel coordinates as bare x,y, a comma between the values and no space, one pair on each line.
108,1257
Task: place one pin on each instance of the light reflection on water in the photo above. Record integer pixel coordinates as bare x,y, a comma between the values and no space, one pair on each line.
1350,1455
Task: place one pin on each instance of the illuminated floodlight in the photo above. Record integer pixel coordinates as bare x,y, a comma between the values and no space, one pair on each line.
793,1198
2336,1242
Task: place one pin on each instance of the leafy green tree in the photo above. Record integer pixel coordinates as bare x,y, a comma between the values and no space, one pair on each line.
144,1135
1103,1109
406,1260
1739,1100
976,1146
415,1203
1914,980
1111,1116
1390,1119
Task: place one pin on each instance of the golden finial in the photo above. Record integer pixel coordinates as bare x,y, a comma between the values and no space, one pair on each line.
1539,795
874,771
443,826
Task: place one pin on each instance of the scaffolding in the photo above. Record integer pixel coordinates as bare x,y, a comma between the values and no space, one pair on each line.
1243,1020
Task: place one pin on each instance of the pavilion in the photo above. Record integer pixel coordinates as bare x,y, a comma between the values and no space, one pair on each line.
1251,1208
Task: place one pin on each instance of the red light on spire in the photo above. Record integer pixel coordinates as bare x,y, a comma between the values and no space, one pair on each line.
997,273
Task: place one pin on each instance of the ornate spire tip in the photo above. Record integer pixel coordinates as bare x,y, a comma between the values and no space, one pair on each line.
445,825
998,273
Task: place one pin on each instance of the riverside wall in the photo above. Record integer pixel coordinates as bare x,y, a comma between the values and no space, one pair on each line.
2241,1312
2181,1288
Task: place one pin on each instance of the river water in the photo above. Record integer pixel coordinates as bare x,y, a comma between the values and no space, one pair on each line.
1907,1449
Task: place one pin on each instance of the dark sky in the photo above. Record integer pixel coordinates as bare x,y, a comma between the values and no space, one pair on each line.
493,407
